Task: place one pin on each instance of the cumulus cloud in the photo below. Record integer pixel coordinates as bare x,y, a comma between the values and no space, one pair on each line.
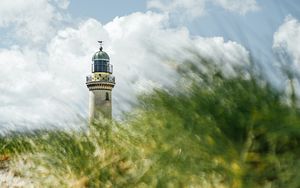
189,9
31,20
47,86
286,44
64,4
145,52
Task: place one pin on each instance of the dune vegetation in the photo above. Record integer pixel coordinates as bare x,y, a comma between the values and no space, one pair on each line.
210,131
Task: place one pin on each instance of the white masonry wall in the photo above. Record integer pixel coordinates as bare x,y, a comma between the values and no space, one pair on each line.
100,104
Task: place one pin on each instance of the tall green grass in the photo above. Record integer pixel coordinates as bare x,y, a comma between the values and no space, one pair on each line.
210,131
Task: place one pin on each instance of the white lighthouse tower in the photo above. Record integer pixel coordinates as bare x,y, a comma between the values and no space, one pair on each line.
100,85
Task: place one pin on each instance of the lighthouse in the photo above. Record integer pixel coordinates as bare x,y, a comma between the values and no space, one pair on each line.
100,84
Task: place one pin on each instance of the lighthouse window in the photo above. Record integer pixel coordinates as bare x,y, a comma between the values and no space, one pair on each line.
101,66
107,96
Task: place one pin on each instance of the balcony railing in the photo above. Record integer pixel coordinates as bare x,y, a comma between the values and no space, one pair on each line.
109,79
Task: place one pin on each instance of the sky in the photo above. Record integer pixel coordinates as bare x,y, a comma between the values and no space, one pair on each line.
46,48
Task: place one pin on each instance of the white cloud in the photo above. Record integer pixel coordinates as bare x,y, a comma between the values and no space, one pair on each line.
286,44
139,41
41,88
31,20
185,9
64,4
48,86
190,9
239,6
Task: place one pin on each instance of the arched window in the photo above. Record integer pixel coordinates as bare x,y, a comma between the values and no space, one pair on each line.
107,96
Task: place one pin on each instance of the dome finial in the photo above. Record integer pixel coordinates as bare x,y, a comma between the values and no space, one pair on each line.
101,44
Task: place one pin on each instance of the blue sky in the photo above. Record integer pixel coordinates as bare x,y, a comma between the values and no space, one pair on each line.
254,30
46,49
105,11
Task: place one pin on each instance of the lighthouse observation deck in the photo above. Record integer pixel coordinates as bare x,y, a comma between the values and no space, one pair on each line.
101,78
100,82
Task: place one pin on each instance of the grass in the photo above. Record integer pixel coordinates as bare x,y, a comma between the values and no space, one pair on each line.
217,132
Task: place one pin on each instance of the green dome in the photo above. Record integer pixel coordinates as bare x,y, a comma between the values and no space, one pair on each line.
101,55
